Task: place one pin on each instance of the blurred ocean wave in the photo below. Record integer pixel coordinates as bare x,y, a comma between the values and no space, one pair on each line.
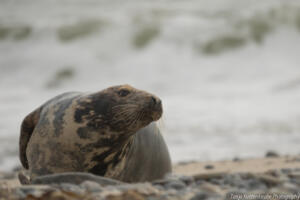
227,71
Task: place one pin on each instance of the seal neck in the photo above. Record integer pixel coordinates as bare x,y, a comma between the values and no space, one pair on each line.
117,164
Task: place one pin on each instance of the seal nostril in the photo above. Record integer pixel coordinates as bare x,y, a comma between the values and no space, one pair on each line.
153,101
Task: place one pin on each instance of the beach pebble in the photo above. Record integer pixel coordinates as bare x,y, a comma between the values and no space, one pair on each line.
269,180
70,187
290,187
232,179
286,170
159,187
217,181
34,190
295,175
200,182
253,184
143,188
187,179
295,181
175,184
200,196
91,186
211,188
169,179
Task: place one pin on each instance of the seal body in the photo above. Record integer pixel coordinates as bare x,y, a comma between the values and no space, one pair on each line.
148,156
111,133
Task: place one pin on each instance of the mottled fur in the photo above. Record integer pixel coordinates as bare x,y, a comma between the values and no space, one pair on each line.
93,132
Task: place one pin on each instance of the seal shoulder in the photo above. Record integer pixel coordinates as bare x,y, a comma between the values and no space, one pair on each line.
31,121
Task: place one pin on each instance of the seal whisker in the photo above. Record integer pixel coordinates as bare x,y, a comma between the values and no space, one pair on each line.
124,113
137,117
124,106
128,116
129,119
133,118
125,110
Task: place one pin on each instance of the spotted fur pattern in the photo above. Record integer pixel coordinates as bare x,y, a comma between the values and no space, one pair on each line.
86,132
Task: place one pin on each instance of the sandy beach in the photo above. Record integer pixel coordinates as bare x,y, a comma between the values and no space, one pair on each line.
255,165
273,177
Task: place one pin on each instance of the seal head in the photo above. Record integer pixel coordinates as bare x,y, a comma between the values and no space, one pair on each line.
120,109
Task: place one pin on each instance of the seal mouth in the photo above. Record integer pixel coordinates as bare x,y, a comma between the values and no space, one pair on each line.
155,108
152,115
156,115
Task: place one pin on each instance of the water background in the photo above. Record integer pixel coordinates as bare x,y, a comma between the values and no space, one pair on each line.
228,71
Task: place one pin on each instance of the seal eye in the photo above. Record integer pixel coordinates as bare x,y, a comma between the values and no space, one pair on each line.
123,92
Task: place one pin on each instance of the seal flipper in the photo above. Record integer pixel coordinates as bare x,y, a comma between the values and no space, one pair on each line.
27,128
74,178
24,180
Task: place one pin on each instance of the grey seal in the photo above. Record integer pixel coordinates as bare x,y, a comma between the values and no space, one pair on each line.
112,133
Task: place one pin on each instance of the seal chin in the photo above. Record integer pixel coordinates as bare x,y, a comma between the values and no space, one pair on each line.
155,106
156,115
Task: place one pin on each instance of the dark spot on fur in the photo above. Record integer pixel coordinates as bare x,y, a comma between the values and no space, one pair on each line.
42,171
113,142
38,160
58,122
116,147
91,146
99,105
43,125
35,153
84,132
99,169
59,153
84,149
116,159
78,160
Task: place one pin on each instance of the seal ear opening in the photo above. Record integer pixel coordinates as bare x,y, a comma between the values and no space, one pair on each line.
27,128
